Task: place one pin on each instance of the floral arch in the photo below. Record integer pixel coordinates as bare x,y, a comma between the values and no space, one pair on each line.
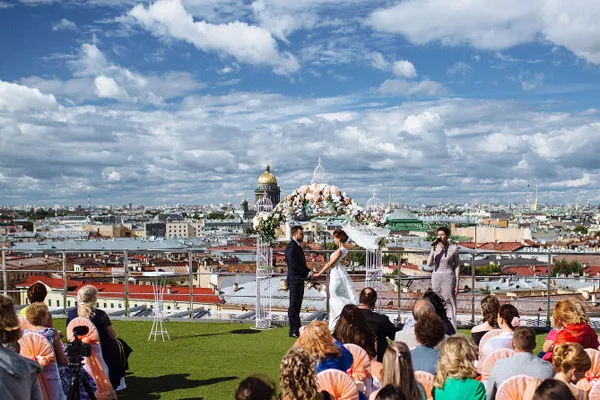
315,200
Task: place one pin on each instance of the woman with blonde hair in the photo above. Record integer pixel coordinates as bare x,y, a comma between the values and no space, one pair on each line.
297,376
87,298
317,341
454,379
398,370
572,322
571,362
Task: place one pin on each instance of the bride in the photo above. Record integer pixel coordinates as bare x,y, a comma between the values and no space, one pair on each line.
341,291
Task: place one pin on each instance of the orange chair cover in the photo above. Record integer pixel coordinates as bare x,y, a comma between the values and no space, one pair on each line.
37,348
514,387
425,379
592,376
490,334
338,384
361,364
490,361
95,362
594,393
377,370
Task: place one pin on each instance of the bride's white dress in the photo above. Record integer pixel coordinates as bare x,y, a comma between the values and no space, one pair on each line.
341,291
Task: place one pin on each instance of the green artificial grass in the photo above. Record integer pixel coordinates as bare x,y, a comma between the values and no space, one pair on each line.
203,360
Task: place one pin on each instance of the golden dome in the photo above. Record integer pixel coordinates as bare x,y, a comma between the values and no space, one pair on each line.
267,178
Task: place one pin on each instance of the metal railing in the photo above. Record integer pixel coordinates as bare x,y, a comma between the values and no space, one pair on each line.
401,296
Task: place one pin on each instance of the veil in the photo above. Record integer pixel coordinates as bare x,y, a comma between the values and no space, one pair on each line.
366,236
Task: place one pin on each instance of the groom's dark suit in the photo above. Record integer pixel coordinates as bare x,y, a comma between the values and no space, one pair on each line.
297,273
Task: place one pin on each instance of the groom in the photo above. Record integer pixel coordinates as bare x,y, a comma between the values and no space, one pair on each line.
297,273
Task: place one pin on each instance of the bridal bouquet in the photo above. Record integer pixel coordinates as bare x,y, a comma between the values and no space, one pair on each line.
309,201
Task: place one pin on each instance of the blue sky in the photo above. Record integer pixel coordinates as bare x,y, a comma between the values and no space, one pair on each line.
185,101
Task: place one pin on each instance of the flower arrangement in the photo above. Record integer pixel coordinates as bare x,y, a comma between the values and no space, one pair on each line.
314,200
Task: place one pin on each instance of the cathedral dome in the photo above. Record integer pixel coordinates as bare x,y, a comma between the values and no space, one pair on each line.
267,178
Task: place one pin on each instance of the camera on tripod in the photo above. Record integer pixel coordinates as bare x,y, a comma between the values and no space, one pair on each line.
77,349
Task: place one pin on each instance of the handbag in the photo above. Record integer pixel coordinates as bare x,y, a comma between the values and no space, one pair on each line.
124,351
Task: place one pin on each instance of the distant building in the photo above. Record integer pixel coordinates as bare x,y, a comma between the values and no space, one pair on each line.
184,230
156,229
404,221
267,184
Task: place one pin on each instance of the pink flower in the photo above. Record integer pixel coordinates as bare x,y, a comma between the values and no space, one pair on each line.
515,322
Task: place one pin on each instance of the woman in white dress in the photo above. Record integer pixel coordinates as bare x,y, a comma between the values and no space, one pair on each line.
341,291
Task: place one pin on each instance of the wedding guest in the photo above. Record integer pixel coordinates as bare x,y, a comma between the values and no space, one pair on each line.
87,298
523,362
430,332
407,335
351,327
297,375
390,392
490,306
37,293
379,323
440,310
256,388
454,379
508,320
571,363
398,370
572,322
552,389
316,339
18,375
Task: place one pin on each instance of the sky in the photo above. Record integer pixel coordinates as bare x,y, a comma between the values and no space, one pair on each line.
186,101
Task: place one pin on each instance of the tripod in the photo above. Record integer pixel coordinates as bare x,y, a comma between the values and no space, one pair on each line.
74,393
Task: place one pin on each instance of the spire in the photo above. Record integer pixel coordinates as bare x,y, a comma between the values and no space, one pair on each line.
390,198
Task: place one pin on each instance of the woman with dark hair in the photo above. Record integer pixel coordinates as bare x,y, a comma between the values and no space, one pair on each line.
552,389
256,388
445,260
341,290
440,310
351,327
390,392
489,311
508,320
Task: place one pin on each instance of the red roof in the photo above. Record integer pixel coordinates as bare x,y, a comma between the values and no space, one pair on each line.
117,290
502,246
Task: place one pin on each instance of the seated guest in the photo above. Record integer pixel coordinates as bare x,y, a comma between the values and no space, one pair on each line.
398,370
379,323
390,392
430,332
407,335
256,388
508,320
571,363
297,376
351,327
454,379
552,389
440,310
490,306
572,322
18,375
37,293
523,362
87,297
316,340
549,342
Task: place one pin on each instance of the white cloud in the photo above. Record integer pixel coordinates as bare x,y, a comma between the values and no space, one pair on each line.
246,43
404,69
459,68
378,61
64,25
107,88
280,23
16,98
496,24
401,87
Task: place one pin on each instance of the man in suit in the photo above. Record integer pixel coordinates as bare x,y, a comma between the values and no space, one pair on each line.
379,323
297,273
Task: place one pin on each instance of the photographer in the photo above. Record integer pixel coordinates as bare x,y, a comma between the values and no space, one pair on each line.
18,375
86,308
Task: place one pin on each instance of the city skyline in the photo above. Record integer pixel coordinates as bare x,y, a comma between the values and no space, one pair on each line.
169,101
